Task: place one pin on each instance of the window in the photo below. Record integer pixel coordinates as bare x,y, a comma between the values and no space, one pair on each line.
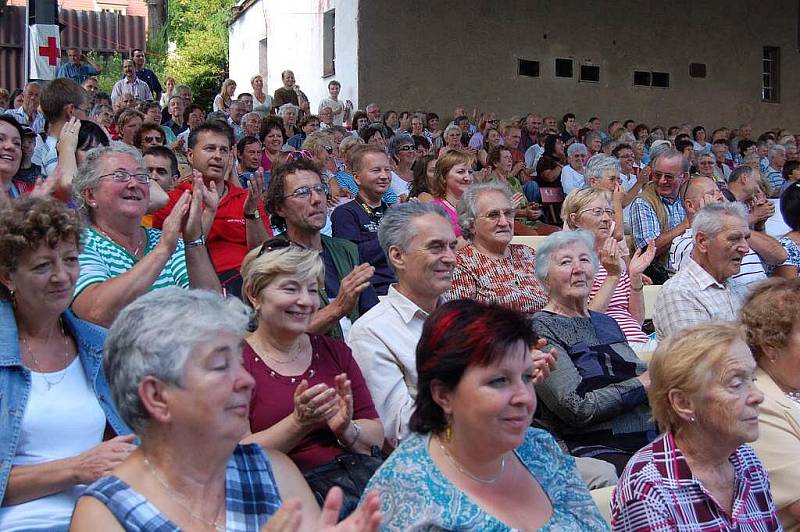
641,78
590,73
563,68
528,68
697,70
771,74
328,43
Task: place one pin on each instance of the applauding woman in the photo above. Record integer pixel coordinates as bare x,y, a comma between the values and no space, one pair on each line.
310,400
56,405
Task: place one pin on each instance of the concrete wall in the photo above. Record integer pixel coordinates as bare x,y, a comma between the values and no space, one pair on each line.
294,33
420,54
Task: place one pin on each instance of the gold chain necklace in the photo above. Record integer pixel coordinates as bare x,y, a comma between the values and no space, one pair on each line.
36,364
181,500
138,241
467,473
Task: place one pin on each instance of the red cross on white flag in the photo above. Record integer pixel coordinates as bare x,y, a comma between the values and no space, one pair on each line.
44,51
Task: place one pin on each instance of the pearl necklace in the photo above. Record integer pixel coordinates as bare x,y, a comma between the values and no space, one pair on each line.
467,473
38,367
181,500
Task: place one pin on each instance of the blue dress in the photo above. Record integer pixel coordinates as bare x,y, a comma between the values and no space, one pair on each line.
415,495
251,496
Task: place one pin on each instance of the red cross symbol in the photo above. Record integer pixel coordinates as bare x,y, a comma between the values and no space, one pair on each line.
50,51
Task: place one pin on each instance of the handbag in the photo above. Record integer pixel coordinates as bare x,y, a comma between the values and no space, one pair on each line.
350,471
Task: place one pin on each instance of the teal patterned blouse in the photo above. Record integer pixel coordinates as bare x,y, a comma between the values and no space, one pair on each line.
415,495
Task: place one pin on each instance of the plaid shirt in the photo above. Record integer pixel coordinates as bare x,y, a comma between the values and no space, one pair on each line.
251,496
644,222
657,491
691,297
37,125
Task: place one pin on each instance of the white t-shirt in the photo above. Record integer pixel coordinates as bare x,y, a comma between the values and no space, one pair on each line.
571,179
61,422
399,185
338,108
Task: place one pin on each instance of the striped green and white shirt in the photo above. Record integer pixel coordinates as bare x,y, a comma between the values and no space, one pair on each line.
103,259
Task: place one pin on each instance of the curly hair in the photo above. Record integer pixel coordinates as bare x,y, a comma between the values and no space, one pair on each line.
769,313
30,222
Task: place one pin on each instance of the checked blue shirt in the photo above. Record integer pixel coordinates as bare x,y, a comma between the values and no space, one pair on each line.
644,222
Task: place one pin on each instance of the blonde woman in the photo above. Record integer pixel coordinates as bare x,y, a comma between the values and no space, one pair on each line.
223,100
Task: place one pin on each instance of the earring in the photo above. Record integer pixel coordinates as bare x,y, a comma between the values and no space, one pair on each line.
448,433
692,419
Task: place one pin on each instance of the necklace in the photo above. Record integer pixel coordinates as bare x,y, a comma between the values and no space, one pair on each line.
467,473
138,242
38,367
181,500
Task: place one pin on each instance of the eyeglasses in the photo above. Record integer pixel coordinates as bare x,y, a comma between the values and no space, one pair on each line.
123,176
328,149
152,139
598,211
273,244
407,147
494,216
492,122
662,175
305,192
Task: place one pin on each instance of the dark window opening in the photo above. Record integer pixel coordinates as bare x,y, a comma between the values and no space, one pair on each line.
697,70
590,73
641,78
528,68
563,68
771,74
660,79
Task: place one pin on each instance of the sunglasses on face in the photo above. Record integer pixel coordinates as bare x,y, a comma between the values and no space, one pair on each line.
328,149
407,147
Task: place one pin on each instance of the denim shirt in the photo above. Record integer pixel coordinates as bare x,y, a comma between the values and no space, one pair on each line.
15,381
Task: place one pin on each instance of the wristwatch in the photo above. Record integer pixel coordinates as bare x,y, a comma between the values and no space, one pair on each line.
255,215
199,241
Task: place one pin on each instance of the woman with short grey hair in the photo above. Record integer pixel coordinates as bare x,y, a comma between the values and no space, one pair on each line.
174,364
402,154
572,174
595,400
121,259
491,269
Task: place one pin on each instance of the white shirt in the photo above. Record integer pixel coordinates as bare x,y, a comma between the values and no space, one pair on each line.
750,271
571,179
399,185
58,423
384,343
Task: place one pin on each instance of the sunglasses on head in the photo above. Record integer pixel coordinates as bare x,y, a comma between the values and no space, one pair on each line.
272,244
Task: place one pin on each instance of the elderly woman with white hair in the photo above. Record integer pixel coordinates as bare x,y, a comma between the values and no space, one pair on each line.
491,269
605,172
699,474
173,361
572,175
122,260
595,399
452,139
289,113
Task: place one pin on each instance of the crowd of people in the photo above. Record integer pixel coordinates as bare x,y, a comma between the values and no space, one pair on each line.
283,320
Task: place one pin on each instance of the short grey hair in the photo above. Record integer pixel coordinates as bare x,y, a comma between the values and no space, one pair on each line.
397,142
668,153
739,172
285,107
590,136
396,228
468,205
708,220
155,335
556,241
182,87
452,127
599,164
575,147
88,175
774,149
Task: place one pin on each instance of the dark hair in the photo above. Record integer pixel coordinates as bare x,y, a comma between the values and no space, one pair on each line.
163,151
190,109
721,141
619,147
91,135
460,334
268,124
550,142
358,115
420,170
567,117
420,140
247,139
681,145
789,167
212,126
790,206
682,136
695,130
102,96
744,145
493,158
366,133
638,128
628,121
59,93
308,118
429,117
13,96
148,126
14,123
276,189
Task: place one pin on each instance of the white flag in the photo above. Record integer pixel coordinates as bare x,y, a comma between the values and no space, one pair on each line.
45,51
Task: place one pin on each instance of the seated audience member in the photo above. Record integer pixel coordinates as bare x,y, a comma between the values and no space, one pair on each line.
700,191
657,214
149,134
25,178
722,169
769,316
62,99
701,290
297,202
603,172
551,162
452,139
358,220
776,158
240,223
177,122
617,289
122,260
175,370
699,474
11,134
453,175
162,165
791,173
472,461
402,154
128,123
56,403
595,398
273,137
489,268
248,157
25,107
790,212
424,170
310,400
572,175
308,124
193,116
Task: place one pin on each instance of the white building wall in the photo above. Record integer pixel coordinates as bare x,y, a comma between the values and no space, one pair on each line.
294,33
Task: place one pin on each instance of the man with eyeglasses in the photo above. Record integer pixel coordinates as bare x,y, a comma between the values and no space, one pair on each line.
240,223
658,213
296,199
62,101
